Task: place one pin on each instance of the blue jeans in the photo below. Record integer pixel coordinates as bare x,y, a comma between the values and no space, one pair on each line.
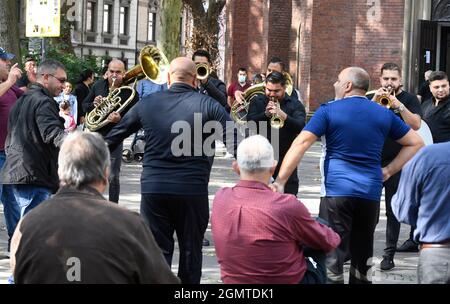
11,209
18,200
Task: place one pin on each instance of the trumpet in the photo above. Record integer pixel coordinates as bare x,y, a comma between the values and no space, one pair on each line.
276,121
202,70
385,99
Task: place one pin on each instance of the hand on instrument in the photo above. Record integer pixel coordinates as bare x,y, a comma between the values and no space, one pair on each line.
395,102
270,108
114,117
379,92
239,97
97,100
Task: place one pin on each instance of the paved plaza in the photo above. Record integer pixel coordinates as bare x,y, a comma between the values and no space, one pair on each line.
223,176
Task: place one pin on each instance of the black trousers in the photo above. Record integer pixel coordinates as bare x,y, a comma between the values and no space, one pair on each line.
392,224
188,217
354,219
114,177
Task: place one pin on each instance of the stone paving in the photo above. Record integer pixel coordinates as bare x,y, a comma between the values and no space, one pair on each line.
223,176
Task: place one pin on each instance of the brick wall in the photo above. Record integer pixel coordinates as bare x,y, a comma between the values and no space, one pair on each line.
316,38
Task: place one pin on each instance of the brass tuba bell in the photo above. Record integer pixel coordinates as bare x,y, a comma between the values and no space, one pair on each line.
153,65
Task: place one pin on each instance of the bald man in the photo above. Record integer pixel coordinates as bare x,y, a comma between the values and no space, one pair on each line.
114,79
177,163
354,130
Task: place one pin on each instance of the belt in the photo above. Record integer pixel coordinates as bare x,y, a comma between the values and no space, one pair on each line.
434,245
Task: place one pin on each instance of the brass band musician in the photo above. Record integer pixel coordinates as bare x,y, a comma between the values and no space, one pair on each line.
101,89
290,112
407,107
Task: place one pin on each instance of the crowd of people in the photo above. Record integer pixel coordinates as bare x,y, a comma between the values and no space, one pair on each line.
53,175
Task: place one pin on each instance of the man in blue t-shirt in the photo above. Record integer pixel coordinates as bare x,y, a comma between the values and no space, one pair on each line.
354,130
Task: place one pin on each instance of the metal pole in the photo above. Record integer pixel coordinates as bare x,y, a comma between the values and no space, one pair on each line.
43,49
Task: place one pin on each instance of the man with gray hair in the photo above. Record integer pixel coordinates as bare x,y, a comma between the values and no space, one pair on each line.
64,240
35,132
353,130
260,235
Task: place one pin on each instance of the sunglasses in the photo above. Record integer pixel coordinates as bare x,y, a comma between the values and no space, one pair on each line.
61,80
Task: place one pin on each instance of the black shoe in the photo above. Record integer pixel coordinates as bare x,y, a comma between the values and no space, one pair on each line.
408,246
205,242
387,263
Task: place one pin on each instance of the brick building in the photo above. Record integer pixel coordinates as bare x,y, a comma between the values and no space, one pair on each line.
318,38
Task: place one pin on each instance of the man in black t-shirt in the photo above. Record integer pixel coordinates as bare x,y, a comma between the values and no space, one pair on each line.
436,110
407,107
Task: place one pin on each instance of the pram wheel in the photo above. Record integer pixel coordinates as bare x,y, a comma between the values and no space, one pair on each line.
127,155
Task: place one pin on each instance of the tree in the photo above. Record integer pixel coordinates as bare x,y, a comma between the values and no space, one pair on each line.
9,31
169,23
205,34
64,42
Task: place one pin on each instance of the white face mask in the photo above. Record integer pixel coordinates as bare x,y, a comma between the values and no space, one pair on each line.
242,78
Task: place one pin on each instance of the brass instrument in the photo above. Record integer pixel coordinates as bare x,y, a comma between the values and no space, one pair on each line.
202,71
239,111
385,99
289,83
153,66
276,121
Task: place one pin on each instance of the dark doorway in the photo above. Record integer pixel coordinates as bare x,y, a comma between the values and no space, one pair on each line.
444,64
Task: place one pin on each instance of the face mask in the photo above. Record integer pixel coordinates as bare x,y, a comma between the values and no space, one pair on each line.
242,78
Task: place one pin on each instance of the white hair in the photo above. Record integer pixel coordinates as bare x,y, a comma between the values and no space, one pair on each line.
255,154
83,159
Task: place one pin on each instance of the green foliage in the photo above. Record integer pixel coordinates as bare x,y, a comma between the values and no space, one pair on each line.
74,65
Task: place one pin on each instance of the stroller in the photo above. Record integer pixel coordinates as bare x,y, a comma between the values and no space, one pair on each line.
137,148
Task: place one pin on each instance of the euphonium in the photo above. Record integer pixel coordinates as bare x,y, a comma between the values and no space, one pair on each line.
239,111
153,66
276,121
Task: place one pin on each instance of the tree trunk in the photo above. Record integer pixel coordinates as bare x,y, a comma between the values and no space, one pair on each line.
9,31
169,25
205,34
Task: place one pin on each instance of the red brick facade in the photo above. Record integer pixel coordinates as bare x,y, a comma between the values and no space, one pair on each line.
316,38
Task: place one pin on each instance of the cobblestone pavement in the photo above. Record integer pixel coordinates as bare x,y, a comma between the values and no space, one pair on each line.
223,176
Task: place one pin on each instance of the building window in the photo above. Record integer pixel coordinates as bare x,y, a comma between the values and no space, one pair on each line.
107,18
151,26
123,30
90,16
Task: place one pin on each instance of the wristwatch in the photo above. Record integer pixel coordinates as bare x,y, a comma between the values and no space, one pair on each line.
401,108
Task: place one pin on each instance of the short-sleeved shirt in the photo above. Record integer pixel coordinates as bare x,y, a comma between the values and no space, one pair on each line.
7,100
354,131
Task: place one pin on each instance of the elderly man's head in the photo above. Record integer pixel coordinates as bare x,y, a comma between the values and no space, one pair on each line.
84,161
351,81
255,159
182,70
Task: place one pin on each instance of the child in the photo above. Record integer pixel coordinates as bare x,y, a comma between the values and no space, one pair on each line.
64,112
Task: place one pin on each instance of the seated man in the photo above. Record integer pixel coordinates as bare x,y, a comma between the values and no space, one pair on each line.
260,235
79,237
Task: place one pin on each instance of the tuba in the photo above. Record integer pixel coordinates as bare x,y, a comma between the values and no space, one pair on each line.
239,111
153,66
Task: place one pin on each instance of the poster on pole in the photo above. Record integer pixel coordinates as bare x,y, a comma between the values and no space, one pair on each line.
43,18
